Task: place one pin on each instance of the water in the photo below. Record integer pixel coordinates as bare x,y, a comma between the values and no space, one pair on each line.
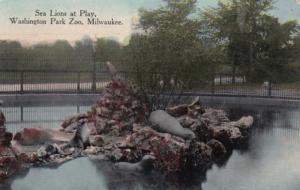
271,161
39,117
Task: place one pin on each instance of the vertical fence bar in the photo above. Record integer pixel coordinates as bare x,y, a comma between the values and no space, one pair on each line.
78,109
22,83
270,89
22,113
94,72
213,85
78,82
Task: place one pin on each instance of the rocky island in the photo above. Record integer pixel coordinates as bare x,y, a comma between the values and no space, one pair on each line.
122,128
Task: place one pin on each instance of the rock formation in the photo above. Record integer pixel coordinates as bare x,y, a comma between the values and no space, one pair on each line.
9,163
118,128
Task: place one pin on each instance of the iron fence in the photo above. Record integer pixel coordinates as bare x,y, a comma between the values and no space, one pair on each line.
93,81
41,81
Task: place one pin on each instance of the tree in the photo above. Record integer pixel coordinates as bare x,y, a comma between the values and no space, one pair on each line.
84,51
108,50
169,45
294,63
273,49
62,53
11,54
235,23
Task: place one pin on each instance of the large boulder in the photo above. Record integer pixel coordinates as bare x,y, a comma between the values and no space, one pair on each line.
193,109
172,153
215,116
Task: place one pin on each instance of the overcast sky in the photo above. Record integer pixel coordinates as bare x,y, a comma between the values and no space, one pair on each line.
124,10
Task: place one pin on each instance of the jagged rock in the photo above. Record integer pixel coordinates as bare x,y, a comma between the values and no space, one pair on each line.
229,136
73,121
199,155
9,163
116,154
41,152
186,121
195,102
91,150
202,130
118,108
167,149
243,123
166,123
5,137
218,149
215,117
177,111
195,109
96,140
2,119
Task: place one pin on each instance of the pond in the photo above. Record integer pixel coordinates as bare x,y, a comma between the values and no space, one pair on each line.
271,161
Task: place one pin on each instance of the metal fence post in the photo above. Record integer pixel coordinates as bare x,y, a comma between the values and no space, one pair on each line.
78,82
22,83
213,85
270,89
94,72
22,113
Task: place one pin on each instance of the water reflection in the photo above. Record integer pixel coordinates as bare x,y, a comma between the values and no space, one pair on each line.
77,174
271,161
43,116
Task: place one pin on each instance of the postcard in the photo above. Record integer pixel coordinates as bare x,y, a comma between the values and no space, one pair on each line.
149,94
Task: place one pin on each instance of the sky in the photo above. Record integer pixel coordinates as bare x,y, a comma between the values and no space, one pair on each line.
124,10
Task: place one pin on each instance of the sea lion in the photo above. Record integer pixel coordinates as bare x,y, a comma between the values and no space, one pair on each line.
144,165
32,136
37,136
163,122
81,137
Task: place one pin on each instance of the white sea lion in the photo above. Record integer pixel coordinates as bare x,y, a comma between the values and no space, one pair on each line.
168,124
145,164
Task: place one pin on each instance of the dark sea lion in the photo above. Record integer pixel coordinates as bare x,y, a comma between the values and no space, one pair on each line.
168,124
81,137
